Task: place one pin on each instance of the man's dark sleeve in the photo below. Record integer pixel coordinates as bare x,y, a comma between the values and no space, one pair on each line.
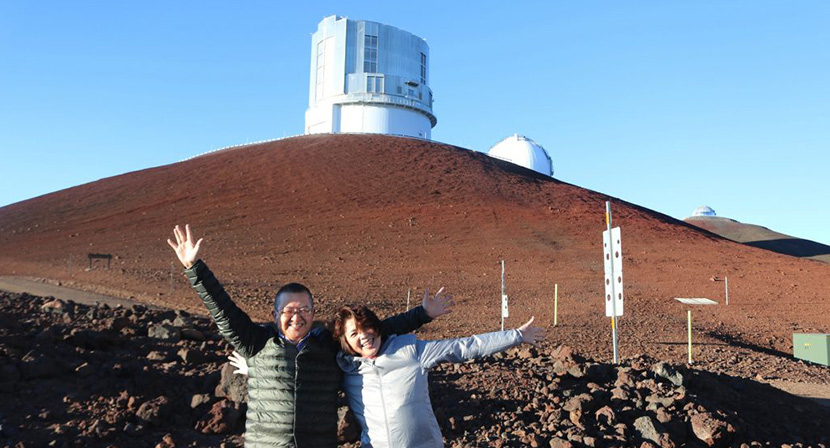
405,322
247,337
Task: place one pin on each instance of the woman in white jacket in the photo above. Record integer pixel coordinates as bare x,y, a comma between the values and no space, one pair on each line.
386,380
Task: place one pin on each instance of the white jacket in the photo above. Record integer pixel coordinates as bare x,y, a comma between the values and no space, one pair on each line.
389,394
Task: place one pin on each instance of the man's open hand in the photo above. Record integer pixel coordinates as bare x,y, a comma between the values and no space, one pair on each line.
185,248
238,361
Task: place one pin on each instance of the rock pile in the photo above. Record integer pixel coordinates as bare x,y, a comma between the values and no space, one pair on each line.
75,375
555,398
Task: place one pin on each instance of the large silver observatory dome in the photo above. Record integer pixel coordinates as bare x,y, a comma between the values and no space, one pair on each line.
368,77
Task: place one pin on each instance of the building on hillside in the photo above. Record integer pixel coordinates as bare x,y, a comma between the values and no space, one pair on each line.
523,151
368,77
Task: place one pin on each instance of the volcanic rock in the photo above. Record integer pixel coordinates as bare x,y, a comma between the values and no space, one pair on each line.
711,430
231,385
154,411
165,332
223,418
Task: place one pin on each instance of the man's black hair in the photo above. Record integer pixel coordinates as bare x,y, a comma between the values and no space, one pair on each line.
292,288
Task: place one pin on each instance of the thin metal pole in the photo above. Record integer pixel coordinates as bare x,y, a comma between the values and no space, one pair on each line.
502,295
726,282
555,303
408,291
690,335
613,283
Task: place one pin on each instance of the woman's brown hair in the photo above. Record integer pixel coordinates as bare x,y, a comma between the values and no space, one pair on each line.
364,319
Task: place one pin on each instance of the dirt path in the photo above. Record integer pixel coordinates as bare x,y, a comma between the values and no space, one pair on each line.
21,285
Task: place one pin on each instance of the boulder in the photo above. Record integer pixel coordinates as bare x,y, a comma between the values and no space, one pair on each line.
191,356
116,323
56,306
192,334
165,332
223,418
557,442
648,429
155,411
668,373
624,377
199,399
606,416
711,430
231,385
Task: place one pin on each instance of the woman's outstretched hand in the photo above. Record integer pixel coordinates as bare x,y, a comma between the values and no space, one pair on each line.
185,248
437,305
531,335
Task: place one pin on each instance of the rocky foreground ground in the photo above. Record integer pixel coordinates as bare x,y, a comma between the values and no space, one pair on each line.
77,375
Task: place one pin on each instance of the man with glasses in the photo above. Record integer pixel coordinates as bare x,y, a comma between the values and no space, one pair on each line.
293,377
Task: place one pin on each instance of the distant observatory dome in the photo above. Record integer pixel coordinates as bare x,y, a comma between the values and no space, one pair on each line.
368,77
704,210
523,151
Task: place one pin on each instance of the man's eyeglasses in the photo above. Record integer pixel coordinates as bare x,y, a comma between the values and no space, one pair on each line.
294,311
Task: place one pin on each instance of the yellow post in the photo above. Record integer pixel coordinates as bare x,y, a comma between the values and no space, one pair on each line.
555,302
690,335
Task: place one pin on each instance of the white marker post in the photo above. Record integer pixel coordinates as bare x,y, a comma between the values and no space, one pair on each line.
726,286
504,312
555,303
612,251
408,291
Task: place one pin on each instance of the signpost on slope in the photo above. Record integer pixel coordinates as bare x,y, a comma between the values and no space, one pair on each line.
612,258
504,312
693,301
725,287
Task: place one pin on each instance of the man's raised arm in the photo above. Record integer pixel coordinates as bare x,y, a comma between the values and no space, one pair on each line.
247,337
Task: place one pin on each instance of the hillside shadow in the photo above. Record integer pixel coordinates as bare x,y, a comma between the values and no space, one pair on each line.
740,396
732,341
795,247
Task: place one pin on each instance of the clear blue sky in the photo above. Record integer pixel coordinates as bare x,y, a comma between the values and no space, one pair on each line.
667,104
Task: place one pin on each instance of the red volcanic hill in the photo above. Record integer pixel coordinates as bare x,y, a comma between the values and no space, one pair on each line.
762,237
368,217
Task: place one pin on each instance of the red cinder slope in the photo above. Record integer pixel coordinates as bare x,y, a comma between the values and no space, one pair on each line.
367,217
762,237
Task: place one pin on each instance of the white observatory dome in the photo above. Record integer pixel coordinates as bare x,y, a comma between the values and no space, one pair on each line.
523,151
704,210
